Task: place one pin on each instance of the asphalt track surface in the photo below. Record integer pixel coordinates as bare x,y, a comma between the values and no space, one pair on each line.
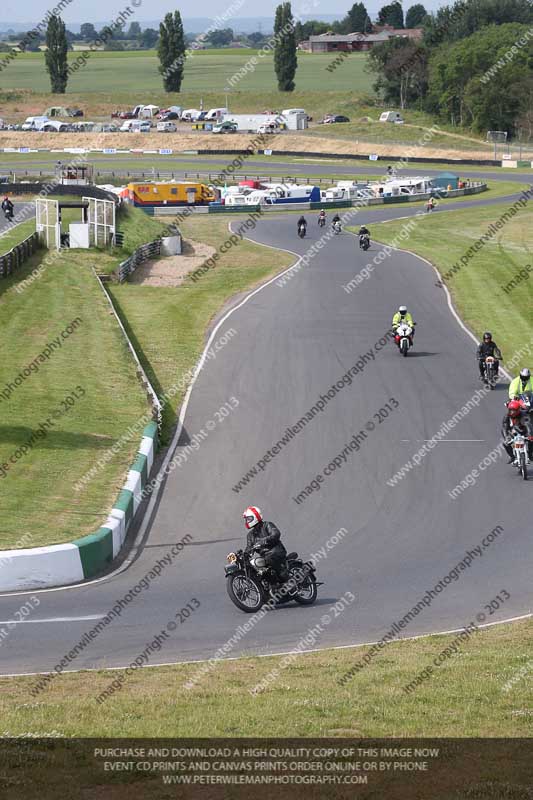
293,342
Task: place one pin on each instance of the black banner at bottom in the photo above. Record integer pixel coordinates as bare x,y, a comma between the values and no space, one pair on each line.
395,769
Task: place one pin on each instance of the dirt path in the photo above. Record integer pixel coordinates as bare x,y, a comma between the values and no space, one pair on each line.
172,270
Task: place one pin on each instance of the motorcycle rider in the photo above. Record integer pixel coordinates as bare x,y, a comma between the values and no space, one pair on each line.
403,316
336,221
265,536
363,231
322,218
7,205
430,204
302,221
517,418
488,347
521,384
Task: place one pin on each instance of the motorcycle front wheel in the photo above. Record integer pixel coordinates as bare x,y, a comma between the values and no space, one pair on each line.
245,592
523,466
403,349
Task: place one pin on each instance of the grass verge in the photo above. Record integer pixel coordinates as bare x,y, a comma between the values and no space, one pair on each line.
482,690
40,463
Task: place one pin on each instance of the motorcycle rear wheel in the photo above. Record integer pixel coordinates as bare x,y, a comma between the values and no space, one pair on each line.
245,592
308,592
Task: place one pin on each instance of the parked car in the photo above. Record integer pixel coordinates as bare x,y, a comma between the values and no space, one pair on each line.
225,127
330,119
166,127
269,128
168,115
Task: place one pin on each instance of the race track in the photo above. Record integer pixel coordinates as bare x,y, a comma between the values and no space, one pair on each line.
295,339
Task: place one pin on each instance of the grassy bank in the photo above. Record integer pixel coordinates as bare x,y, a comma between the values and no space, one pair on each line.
168,324
42,462
482,690
478,287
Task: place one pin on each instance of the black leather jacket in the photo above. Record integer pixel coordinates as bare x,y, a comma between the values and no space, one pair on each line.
265,534
488,349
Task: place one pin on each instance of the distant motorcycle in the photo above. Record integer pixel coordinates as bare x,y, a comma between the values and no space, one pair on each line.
321,222
404,337
250,583
337,227
8,214
490,374
301,231
364,241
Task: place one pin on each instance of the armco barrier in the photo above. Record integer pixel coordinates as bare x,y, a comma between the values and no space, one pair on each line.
232,209
64,564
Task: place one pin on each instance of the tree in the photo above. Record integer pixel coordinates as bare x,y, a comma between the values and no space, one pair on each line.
148,38
220,37
56,54
171,51
31,42
312,27
465,17
256,38
134,31
415,15
474,83
88,32
285,59
357,19
391,15
401,66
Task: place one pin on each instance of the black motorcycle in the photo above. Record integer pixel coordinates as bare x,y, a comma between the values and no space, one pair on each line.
301,231
364,241
8,213
251,583
490,372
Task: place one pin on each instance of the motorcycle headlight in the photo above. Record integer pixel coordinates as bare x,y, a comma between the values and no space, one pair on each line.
231,558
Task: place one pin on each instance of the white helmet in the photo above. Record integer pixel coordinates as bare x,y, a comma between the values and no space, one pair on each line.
525,373
252,516
403,310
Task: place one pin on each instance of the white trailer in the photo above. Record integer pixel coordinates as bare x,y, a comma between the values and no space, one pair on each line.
252,122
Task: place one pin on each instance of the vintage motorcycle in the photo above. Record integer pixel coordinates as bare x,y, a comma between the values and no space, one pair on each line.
251,583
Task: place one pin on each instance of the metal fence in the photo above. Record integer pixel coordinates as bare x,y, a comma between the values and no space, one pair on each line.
14,259
143,253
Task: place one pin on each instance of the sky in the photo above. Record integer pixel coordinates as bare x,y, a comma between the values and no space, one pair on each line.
32,11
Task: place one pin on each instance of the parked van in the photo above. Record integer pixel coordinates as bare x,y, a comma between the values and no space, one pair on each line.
34,123
391,116
216,113
136,126
190,114
166,127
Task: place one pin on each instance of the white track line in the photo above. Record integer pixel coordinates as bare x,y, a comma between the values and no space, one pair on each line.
272,655
50,619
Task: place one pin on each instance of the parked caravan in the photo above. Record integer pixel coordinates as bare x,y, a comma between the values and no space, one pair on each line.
175,193
391,116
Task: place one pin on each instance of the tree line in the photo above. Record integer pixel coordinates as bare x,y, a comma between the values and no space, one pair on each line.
473,66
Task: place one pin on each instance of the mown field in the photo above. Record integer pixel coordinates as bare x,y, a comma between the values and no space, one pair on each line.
205,71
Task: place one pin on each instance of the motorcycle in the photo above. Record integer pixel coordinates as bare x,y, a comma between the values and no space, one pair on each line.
521,458
321,222
364,241
337,226
8,214
404,337
301,231
490,374
250,583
